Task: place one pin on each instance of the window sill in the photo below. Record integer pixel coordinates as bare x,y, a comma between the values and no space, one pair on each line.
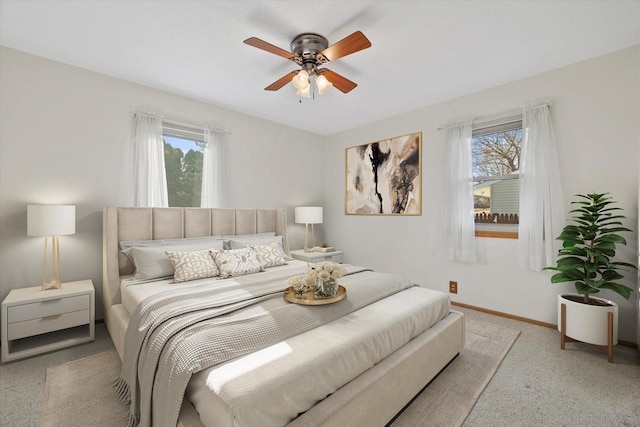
497,234
500,231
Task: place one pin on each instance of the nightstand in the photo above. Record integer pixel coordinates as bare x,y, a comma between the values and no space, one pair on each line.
36,321
314,257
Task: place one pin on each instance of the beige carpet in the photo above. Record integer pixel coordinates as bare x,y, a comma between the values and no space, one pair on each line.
79,393
451,395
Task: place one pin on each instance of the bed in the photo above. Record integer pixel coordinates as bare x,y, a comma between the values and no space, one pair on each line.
379,347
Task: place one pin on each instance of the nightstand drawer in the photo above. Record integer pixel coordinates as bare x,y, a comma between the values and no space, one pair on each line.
52,307
47,324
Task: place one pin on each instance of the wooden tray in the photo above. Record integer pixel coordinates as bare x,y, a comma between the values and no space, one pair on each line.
308,298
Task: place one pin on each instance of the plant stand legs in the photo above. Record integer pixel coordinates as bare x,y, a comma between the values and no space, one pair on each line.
564,338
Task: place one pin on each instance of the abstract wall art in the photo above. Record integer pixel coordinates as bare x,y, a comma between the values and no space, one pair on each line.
385,177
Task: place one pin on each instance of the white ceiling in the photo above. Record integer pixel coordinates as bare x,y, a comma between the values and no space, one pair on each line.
423,52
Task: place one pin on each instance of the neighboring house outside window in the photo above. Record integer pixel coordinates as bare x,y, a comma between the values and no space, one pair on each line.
496,150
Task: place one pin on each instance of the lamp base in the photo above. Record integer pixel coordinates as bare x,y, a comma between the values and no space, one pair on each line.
54,284
314,248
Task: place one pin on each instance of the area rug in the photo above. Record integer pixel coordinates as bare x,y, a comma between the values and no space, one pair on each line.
450,396
79,393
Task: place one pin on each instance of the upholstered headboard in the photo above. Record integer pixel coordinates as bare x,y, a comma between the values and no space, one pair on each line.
173,223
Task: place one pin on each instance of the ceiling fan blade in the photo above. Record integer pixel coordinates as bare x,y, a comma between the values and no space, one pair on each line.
261,44
278,84
348,45
343,84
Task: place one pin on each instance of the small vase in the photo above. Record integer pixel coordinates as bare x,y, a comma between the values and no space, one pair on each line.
325,289
299,291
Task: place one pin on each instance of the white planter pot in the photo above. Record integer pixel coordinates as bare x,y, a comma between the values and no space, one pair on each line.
588,323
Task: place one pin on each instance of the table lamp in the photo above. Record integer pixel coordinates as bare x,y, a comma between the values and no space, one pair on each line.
51,221
309,215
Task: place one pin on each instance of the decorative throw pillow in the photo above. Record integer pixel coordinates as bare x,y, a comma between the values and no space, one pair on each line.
152,262
192,265
236,262
269,255
261,240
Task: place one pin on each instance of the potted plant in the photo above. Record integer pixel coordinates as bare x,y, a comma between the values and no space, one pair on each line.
589,245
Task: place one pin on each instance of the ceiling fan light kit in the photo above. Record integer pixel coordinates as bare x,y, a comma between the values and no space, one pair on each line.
301,80
310,51
323,84
306,92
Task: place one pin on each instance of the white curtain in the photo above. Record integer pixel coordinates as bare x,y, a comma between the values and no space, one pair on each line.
455,239
150,175
214,177
541,206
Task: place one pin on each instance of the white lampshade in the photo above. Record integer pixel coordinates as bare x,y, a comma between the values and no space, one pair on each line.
308,215
323,84
306,92
51,220
301,80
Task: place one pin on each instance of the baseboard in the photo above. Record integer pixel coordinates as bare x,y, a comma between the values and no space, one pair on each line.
628,344
527,320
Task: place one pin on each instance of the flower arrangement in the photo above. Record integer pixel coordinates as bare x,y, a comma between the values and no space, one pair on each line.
301,285
324,276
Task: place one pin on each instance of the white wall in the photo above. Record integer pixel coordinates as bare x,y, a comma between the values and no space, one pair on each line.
595,110
64,138
64,133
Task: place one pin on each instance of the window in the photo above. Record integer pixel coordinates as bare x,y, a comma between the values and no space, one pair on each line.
183,155
496,149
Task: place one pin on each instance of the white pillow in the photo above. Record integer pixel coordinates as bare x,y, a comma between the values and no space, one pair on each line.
248,237
153,263
269,255
192,265
124,244
237,262
204,242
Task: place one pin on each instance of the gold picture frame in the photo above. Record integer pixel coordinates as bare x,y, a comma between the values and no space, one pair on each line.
384,177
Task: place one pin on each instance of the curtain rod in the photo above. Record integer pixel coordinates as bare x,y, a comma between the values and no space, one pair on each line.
188,125
499,115
177,123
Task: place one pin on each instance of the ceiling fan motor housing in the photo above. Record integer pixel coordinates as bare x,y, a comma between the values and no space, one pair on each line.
307,46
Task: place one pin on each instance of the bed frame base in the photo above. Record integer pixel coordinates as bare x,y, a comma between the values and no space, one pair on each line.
378,395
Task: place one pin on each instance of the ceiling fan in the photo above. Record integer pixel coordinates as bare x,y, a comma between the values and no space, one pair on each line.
310,51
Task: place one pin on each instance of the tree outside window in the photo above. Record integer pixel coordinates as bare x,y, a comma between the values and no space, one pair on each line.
183,166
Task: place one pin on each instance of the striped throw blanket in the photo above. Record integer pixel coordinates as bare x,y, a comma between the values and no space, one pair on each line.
175,334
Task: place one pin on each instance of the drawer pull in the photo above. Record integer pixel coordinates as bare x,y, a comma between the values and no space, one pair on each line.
55,316
49,301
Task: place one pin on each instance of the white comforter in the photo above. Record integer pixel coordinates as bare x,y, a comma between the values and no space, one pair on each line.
268,387
271,386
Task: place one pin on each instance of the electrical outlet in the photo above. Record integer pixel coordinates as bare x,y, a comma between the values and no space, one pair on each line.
453,287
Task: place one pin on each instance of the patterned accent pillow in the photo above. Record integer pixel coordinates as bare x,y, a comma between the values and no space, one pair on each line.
236,262
269,255
262,240
192,265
